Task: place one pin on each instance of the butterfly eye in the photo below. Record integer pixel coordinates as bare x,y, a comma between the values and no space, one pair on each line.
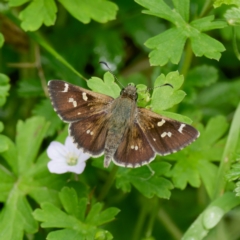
136,96
122,91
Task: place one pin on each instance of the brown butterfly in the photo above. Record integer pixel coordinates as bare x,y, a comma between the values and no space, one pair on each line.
128,135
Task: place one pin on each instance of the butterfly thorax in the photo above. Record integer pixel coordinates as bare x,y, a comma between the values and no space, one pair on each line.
123,112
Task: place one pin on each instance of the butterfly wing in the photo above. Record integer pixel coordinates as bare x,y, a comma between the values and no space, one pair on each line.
86,111
73,103
134,150
165,135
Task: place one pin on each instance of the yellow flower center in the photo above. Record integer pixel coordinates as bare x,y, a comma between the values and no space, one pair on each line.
72,160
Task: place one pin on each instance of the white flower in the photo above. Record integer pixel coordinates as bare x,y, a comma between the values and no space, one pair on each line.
66,158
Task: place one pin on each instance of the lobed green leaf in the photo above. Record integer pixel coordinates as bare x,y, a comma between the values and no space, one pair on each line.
38,12
98,10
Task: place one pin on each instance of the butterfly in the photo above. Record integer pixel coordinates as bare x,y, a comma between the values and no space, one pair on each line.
128,135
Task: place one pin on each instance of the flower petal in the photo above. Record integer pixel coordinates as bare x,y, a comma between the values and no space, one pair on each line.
83,157
70,145
57,151
57,167
77,168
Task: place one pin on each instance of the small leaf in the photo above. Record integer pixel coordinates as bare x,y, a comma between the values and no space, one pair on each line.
99,10
232,16
203,45
4,87
166,97
30,135
1,40
38,12
168,46
218,3
16,3
45,109
141,179
108,86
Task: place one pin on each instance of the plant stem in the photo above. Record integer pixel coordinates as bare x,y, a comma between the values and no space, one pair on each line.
108,183
235,46
227,158
153,213
187,59
169,224
140,221
206,8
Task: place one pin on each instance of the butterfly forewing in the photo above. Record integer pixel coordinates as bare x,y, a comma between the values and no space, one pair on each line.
73,103
90,133
165,135
134,150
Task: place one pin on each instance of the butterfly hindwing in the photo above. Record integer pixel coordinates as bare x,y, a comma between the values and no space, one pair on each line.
134,150
73,103
165,135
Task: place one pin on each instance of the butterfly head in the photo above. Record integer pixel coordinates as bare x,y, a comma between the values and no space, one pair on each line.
130,92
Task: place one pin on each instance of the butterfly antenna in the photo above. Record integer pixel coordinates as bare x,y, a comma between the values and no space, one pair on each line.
166,84
104,63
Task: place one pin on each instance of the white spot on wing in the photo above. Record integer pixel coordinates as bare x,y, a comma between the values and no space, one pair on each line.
161,122
91,133
78,113
73,101
136,148
154,139
66,87
181,127
132,147
169,134
88,131
84,96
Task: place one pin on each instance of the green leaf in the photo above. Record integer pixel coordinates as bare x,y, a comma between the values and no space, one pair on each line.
38,12
202,76
161,9
29,138
183,8
211,216
166,97
168,46
218,3
1,40
9,153
30,88
142,180
108,86
207,24
16,217
143,95
193,161
45,109
16,3
99,10
71,204
232,16
4,86
75,223
6,183
203,45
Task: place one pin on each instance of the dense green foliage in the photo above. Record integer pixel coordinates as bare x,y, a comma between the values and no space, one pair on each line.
193,45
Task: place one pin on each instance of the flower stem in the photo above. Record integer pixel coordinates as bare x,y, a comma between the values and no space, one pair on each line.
108,183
